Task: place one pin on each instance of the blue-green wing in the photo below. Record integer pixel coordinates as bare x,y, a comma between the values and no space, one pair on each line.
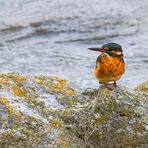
98,60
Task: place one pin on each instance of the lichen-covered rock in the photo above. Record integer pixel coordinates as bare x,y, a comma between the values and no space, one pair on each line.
42,111
29,110
113,119
142,88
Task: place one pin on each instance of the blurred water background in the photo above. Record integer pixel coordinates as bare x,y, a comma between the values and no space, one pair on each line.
51,37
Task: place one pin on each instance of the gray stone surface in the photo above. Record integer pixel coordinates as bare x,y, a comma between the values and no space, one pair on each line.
41,111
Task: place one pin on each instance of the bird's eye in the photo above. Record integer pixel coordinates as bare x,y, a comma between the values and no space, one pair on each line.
107,49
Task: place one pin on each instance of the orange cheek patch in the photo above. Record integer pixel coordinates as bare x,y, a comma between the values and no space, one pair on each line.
116,52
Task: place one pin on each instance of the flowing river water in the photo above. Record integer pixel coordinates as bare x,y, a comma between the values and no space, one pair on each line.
51,37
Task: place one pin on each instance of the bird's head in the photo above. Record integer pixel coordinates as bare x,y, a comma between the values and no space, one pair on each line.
112,49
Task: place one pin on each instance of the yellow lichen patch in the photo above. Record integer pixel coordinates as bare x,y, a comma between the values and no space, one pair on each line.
110,106
21,79
16,81
10,132
14,76
55,84
65,145
104,93
55,123
61,144
54,78
4,100
18,117
18,91
70,91
4,81
10,108
7,79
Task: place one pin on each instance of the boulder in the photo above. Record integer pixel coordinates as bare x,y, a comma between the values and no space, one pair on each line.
42,111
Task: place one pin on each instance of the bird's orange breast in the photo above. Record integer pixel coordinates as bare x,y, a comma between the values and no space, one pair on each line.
109,68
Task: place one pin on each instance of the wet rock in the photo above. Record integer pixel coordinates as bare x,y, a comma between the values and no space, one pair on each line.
47,112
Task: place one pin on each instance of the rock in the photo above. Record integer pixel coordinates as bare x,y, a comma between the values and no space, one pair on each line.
113,119
29,110
142,88
47,112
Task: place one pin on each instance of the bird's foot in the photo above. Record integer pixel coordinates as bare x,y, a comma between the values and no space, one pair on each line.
109,88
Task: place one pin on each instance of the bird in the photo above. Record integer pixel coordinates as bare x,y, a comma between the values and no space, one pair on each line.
110,65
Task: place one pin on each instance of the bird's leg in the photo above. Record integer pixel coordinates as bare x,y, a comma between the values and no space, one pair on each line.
115,84
109,88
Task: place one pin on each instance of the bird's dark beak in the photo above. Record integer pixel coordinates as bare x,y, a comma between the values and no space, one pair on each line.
96,49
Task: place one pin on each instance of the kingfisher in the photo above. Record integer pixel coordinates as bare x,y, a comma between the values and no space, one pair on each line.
110,65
